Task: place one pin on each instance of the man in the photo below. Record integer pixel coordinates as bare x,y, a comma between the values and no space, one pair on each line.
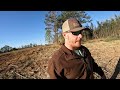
72,60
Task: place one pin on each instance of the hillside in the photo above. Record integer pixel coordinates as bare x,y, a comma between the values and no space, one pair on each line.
31,63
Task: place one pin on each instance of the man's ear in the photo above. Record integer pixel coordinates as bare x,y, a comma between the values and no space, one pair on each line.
64,34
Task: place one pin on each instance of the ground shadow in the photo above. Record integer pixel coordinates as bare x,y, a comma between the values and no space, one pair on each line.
117,70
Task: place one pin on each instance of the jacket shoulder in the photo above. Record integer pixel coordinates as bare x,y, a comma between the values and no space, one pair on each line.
85,49
57,54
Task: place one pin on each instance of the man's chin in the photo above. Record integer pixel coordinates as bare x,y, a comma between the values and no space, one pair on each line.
78,44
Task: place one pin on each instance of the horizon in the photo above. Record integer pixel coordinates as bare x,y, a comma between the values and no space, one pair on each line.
19,28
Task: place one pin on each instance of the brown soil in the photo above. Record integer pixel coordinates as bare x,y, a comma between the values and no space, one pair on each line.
31,63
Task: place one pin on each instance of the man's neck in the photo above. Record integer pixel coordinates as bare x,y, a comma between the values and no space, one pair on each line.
68,46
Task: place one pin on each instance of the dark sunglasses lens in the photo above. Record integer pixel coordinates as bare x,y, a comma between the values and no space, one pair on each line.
76,33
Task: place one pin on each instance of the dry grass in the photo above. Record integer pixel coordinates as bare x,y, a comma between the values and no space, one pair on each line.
106,54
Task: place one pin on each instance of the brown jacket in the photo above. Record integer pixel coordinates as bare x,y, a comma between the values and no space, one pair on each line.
66,64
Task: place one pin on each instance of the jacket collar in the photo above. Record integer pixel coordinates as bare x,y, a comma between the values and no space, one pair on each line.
69,54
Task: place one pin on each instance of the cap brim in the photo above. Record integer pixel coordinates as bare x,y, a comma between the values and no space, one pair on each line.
77,29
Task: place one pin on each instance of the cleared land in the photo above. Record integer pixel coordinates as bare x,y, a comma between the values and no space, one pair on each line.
31,63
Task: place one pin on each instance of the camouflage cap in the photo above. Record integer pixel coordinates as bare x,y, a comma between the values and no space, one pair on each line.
71,24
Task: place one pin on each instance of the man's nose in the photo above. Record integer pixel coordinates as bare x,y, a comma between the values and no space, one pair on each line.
80,35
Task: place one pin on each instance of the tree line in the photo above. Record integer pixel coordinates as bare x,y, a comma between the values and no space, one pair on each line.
8,48
108,28
54,20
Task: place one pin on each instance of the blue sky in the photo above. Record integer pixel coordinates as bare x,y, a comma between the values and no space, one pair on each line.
19,28
102,15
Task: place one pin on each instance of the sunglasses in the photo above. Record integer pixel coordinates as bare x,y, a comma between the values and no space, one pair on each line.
77,32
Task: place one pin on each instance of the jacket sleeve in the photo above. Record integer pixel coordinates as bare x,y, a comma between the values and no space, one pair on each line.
97,68
52,70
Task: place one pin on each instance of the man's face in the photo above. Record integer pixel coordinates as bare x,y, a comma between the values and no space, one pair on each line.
74,39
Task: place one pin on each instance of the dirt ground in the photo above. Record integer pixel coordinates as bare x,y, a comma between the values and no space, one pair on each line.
31,63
